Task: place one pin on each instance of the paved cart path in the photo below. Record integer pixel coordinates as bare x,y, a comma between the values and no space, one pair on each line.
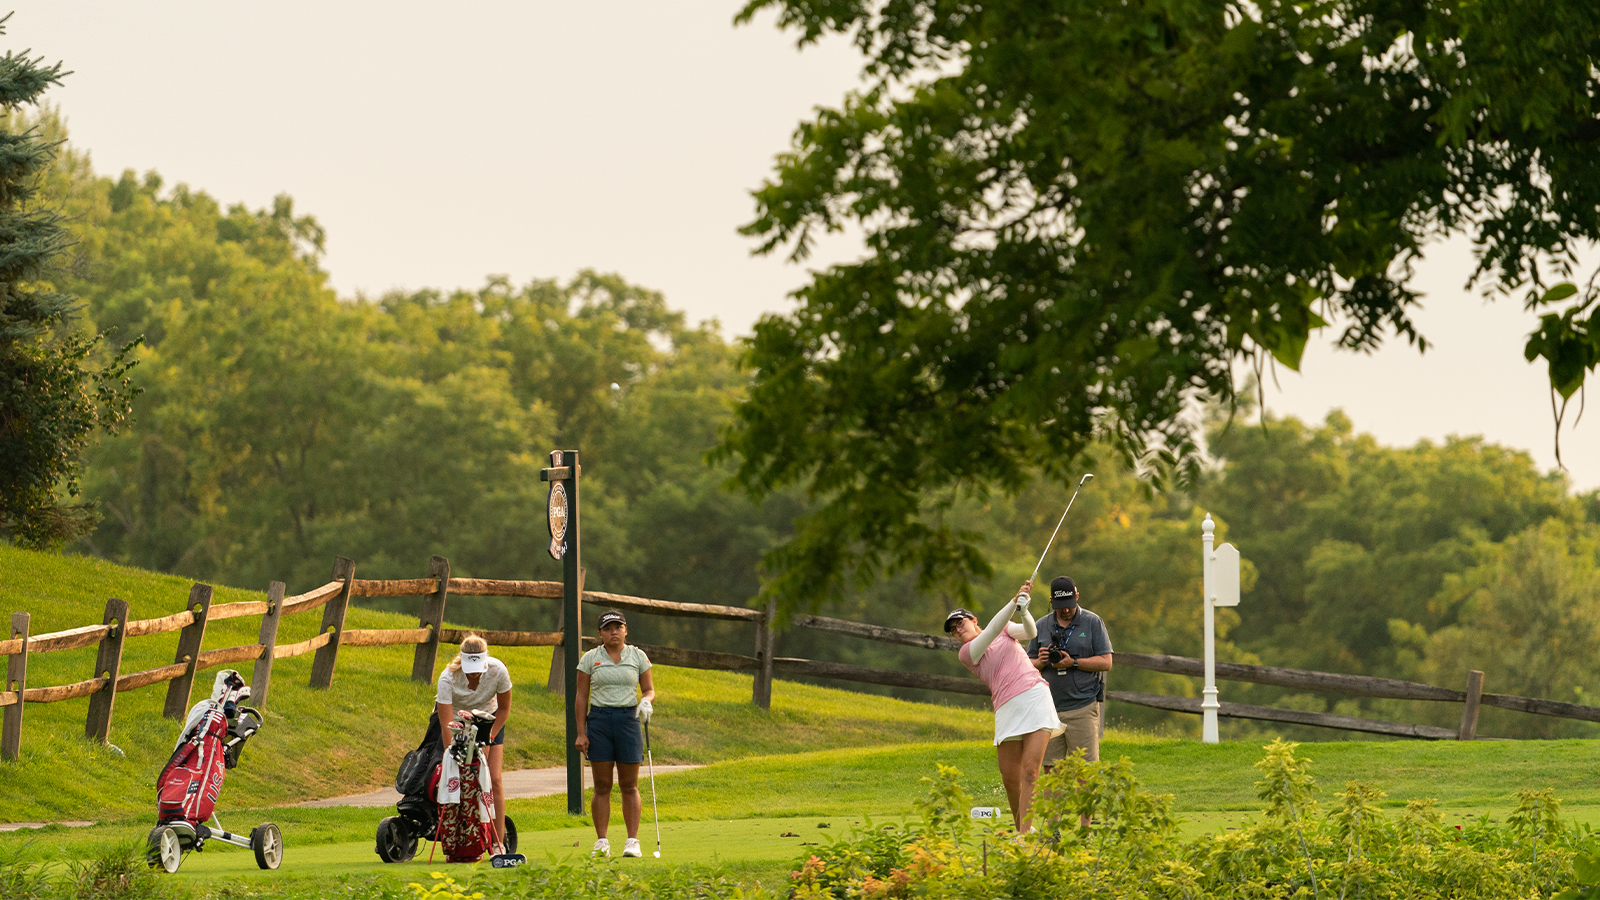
520,784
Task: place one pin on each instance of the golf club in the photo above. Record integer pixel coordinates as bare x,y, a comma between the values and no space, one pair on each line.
1081,482
654,810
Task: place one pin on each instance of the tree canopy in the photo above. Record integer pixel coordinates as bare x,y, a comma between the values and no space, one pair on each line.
281,425
56,387
1083,217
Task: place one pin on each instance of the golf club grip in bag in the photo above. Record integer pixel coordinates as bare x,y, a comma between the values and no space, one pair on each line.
191,781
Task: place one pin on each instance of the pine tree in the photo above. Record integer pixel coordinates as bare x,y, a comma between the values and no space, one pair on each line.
55,387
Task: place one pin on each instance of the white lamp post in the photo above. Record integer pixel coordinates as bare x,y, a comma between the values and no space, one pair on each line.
1221,588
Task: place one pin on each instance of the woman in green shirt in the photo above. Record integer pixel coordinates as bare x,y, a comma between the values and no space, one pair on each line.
615,691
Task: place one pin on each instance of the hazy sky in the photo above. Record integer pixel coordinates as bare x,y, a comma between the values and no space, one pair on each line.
439,144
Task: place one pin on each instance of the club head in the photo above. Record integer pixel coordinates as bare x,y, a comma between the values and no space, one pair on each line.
658,854
1085,478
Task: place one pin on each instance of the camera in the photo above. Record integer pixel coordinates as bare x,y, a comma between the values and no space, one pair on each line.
1058,652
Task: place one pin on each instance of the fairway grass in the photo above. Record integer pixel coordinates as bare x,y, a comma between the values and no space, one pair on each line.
757,817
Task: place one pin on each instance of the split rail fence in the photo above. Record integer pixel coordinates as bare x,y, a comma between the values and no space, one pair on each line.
107,680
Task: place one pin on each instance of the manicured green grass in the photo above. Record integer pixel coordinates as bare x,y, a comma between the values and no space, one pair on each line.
724,812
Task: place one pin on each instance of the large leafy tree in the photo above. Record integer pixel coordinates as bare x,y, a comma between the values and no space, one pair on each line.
1082,216
1353,539
55,389
1530,619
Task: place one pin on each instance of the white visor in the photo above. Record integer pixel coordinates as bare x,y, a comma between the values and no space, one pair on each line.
472,663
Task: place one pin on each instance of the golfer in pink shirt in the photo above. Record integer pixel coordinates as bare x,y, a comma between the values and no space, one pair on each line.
1024,714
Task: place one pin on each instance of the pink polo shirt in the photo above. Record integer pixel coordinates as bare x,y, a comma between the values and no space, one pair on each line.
1004,668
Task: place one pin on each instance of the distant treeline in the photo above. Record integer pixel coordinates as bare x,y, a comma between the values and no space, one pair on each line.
281,425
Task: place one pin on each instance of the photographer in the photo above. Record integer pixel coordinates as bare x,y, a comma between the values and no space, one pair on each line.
1073,651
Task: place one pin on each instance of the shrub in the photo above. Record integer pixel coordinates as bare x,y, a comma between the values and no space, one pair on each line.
1130,848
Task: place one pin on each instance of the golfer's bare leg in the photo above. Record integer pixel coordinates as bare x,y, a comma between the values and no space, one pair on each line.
1030,761
1009,757
632,801
600,806
497,757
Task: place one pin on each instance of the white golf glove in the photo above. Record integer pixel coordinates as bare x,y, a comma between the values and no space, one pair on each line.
644,710
1022,600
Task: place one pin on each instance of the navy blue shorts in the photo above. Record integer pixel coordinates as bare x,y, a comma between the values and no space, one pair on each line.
614,735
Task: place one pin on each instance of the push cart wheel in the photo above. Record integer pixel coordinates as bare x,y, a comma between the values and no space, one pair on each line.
267,841
396,843
164,849
511,835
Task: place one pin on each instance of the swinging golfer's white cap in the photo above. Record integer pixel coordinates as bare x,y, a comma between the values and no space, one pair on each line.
474,662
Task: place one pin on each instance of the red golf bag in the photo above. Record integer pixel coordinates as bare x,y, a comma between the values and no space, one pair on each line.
465,830
188,787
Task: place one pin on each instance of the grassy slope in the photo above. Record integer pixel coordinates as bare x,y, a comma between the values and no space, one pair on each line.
349,739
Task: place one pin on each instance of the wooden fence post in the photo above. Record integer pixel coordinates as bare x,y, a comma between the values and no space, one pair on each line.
189,641
261,678
1469,715
557,682
432,617
761,693
559,664
16,680
107,664
333,620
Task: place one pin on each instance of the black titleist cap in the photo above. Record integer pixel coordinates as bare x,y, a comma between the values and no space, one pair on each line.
955,616
611,615
1063,593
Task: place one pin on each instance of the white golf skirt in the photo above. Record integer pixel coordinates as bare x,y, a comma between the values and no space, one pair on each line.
1026,713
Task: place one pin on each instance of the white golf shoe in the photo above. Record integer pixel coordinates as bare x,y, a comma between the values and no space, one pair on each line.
602,847
631,848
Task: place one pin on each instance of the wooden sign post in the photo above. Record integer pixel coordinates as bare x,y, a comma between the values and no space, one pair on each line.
561,511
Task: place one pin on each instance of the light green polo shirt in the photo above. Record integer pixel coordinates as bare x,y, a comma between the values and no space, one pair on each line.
614,683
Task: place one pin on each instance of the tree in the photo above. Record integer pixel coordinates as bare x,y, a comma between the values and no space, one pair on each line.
1351,537
1530,621
1082,216
55,391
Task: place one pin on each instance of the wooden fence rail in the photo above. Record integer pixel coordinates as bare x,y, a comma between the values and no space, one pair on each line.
333,598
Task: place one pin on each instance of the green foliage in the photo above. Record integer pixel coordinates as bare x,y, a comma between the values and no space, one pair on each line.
1351,537
1129,851
558,880
867,855
115,872
57,385
1287,785
281,425
119,872
1128,825
1586,868
945,807
1081,216
1529,618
